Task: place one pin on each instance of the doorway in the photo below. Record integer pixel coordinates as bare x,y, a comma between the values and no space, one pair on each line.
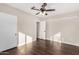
41,30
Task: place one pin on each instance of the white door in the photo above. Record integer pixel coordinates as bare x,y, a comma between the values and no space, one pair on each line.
8,30
42,30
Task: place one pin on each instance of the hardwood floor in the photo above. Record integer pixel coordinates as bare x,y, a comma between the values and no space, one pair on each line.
44,47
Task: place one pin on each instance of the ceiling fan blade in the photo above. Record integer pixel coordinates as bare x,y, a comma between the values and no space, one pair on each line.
50,10
37,13
33,8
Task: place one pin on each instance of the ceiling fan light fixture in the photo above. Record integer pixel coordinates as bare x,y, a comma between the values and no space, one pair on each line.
44,13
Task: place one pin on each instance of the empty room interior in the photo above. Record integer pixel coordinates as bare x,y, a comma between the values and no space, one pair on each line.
39,28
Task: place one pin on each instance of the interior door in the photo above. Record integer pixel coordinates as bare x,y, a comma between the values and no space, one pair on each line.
42,30
8,30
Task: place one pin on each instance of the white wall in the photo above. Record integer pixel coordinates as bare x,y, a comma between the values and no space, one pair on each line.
27,26
66,29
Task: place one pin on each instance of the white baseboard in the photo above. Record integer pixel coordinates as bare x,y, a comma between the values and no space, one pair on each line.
68,43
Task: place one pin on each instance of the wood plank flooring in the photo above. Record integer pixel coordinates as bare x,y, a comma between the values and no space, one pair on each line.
44,47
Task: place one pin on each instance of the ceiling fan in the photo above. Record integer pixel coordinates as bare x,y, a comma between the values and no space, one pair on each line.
43,9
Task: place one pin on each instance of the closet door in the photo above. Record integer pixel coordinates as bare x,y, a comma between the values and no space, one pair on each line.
8,30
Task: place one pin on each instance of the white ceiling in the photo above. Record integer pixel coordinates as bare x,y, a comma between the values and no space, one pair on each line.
61,8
